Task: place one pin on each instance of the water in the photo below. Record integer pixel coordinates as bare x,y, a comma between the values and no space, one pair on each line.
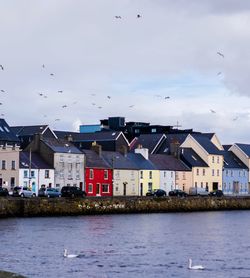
139,245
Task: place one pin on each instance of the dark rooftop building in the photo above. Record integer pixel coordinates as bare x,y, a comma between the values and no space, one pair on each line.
6,134
231,160
36,161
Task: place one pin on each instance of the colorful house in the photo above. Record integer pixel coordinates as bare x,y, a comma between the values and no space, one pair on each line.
235,174
98,174
34,172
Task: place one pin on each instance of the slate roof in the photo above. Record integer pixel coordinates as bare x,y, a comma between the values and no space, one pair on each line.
165,146
231,160
205,142
61,146
148,141
245,148
191,158
119,161
6,134
168,162
93,160
28,130
208,135
93,136
36,161
141,162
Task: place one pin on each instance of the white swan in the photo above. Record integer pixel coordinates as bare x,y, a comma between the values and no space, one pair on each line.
66,255
195,267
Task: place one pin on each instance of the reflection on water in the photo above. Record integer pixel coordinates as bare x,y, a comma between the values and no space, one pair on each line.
140,245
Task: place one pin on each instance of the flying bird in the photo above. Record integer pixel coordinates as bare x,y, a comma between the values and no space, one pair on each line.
109,97
43,66
212,111
52,74
56,120
138,16
45,96
93,103
40,94
219,73
2,91
131,106
1,66
167,97
1,103
222,55
64,106
99,107
60,91
118,17
92,95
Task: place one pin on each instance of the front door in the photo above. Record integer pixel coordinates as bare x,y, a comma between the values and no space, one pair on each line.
124,188
98,189
141,189
215,186
1,182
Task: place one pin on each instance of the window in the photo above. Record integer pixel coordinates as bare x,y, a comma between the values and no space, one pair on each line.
183,175
32,174
232,173
195,184
12,182
150,186
203,172
90,188
153,130
46,174
91,174
3,165
218,159
197,172
239,173
212,172
201,184
105,174
226,172
13,165
218,172
25,173
137,131
172,174
78,166
176,175
105,188
164,174
150,174
212,159
70,166
141,174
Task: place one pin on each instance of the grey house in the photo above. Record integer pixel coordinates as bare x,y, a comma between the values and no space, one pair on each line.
67,160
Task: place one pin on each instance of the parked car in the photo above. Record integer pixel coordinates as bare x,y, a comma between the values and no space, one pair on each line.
177,193
156,192
4,191
72,191
198,191
216,193
49,192
19,191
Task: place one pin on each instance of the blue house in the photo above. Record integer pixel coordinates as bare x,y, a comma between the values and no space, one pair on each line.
235,174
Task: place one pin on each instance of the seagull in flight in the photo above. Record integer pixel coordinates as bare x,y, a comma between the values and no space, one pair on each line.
221,54
64,106
109,97
40,94
52,74
92,95
212,111
167,97
131,106
99,107
60,91
2,91
93,103
138,16
43,66
219,73
1,66
1,103
118,17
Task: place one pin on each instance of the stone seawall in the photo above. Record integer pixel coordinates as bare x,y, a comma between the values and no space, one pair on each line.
18,207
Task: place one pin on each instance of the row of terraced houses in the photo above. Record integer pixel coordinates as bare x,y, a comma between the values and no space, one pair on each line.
118,158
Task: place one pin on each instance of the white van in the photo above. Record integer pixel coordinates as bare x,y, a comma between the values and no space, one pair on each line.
198,191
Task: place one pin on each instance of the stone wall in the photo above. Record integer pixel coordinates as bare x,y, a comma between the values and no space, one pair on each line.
18,207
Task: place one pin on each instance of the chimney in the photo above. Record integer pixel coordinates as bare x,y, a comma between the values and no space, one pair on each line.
123,150
96,148
142,151
175,148
36,142
69,138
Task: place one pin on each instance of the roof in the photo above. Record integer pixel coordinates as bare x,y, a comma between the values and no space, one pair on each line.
93,136
6,134
191,158
245,148
61,146
232,161
208,135
141,162
93,160
168,162
36,161
28,130
119,161
170,138
205,142
148,141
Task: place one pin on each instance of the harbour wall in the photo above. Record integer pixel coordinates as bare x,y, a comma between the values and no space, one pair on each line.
32,207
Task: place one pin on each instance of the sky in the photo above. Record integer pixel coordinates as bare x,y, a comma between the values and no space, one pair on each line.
184,61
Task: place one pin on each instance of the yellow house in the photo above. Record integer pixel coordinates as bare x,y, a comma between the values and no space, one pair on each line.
209,150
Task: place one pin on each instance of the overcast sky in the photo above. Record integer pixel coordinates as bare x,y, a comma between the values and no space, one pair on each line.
170,51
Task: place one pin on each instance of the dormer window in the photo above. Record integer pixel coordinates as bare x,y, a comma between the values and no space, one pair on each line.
153,130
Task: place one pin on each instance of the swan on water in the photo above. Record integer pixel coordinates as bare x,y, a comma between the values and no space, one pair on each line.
66,255
195,267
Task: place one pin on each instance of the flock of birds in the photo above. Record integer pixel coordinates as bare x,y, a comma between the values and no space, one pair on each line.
190,266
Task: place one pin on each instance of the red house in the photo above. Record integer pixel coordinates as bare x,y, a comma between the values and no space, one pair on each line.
98,174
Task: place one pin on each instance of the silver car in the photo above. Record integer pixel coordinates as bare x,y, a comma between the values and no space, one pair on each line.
20,191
